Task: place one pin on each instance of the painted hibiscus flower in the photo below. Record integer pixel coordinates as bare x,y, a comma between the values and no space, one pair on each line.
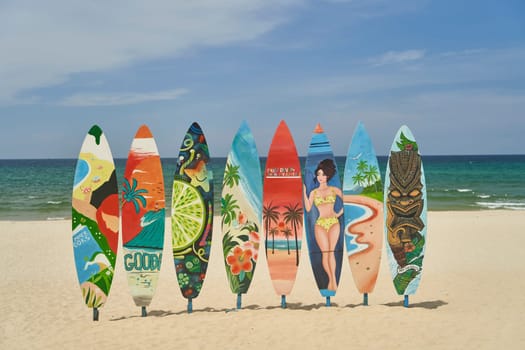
241,218
254,247
254,237
240,260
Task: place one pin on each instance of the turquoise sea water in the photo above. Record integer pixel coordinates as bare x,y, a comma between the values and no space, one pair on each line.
41,189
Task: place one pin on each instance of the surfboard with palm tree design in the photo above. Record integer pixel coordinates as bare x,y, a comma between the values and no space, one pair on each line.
282,211
241,210
143,217
363,208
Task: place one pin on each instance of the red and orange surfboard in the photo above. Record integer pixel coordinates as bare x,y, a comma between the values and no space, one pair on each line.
282,211
143,217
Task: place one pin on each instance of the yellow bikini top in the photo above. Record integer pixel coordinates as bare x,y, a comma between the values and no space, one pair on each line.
323,200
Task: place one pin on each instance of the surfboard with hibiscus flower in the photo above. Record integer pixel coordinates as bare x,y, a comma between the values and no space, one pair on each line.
143,217
192,213
95,219
241,211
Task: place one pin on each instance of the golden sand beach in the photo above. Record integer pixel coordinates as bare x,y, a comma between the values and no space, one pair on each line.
470,297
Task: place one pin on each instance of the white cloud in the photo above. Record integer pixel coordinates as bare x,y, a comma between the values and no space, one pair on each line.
44,42
85,100
393,57
481,66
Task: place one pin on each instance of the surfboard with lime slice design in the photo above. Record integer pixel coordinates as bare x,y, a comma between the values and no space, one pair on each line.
241,211
143,217
192,213
95,219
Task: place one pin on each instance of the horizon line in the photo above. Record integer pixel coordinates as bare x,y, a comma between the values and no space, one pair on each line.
300,156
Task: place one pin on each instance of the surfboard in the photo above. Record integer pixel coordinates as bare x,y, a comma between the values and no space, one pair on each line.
324,218
143,217
241,211
282,211
95,219
405,211
192,213
363,211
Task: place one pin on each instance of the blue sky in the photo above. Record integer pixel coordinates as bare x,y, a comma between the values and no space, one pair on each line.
453,71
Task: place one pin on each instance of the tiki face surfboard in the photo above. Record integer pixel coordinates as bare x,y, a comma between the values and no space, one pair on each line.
143,217
241,211
95,219
323,204
363,200
282,210
192,213
405,213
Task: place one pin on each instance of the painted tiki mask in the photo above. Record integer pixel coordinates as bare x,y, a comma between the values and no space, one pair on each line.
405,204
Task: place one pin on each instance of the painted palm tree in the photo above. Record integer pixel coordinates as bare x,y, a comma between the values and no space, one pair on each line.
294,216
362,165
231,175
273,231
228,206
287,232
359,179
372,175
130,193
270,214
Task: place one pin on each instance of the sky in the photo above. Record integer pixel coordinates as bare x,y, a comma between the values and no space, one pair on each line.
452,71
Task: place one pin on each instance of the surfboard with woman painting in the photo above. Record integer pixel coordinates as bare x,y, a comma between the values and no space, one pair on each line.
323,205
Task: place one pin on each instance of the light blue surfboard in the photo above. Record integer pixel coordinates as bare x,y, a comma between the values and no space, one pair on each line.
363,200
241,211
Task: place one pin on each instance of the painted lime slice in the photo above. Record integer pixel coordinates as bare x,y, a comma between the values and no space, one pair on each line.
188,215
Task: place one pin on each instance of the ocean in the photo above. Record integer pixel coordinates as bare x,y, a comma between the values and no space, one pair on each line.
40,189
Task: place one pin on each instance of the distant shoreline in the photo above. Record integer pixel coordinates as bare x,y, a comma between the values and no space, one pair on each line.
41,189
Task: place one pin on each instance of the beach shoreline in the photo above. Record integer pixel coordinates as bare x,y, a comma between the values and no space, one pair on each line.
470,296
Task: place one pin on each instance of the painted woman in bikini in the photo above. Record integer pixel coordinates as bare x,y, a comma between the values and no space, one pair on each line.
327,227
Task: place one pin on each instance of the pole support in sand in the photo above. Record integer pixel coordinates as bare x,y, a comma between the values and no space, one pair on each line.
239,301
144,313
283,301
95,314
190,306
405,303
365,299
328,301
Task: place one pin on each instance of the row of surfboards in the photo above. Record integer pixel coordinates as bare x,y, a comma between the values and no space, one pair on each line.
270,209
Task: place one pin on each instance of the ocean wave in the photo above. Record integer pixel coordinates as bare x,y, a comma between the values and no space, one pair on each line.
55,218
464,190
484,196
502,205
54,202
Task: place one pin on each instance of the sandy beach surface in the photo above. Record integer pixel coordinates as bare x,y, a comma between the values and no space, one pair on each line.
471,296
